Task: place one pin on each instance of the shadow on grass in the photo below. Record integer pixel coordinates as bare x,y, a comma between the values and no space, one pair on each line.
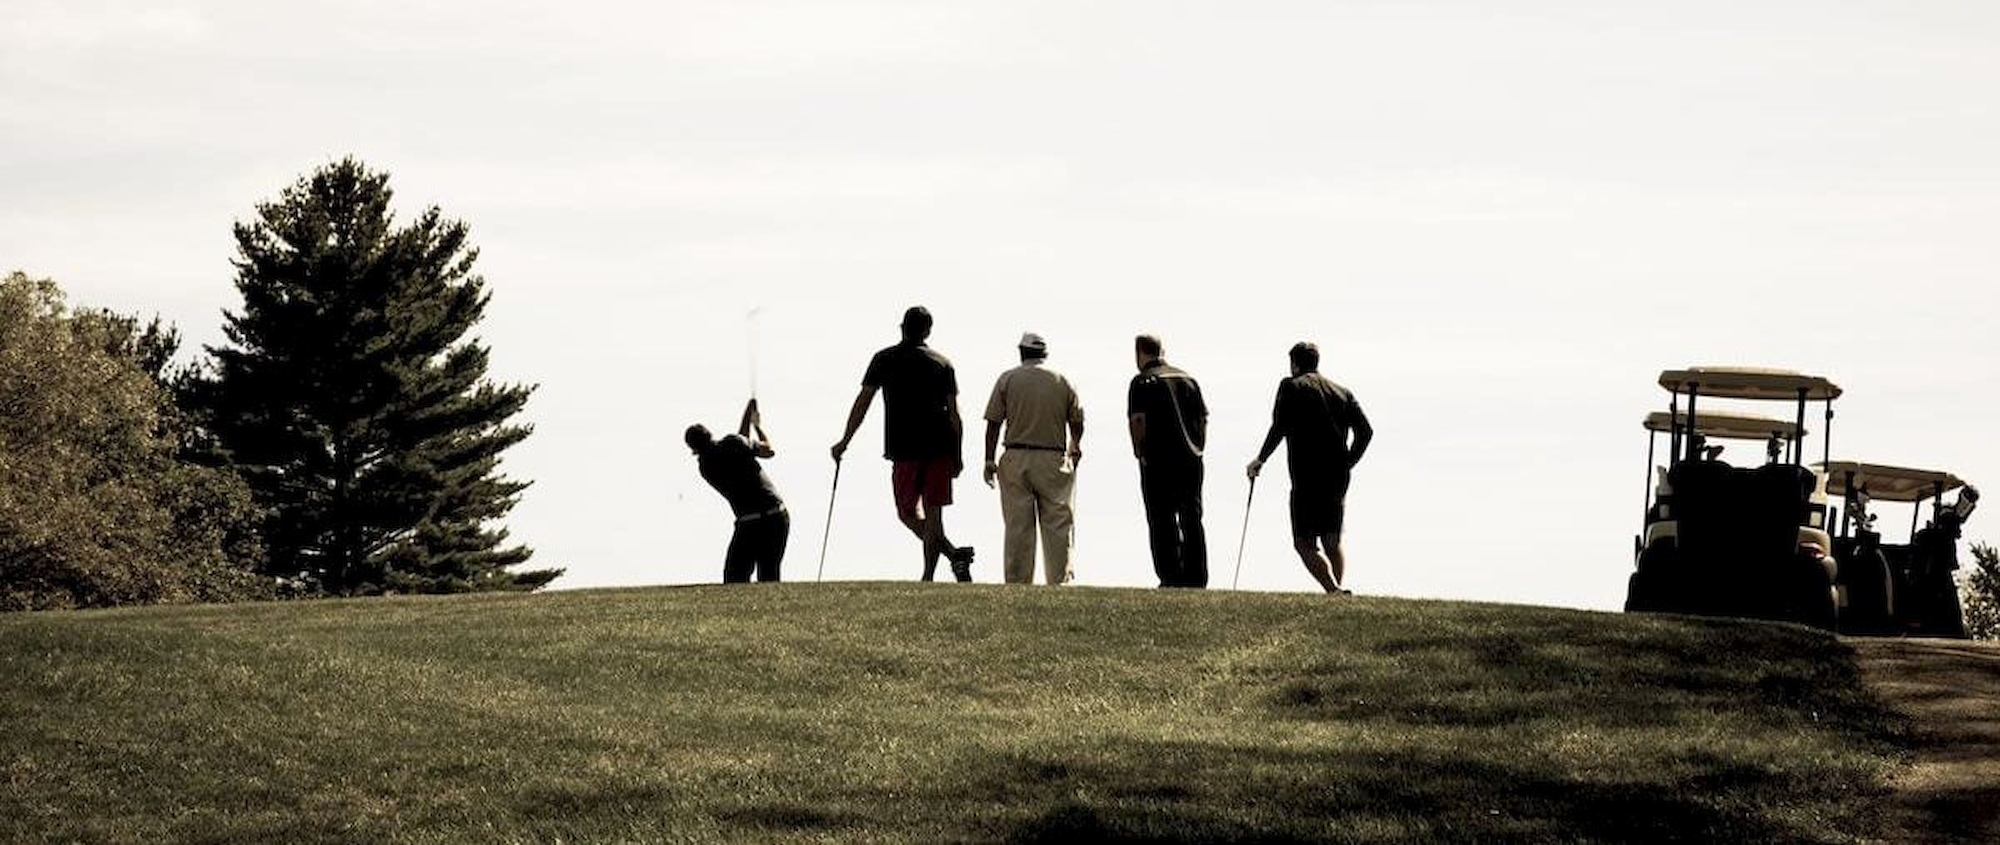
1225,794
1588,674
1966,814
783,816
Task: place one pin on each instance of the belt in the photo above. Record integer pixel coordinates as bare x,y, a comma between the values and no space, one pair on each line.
753,517
1035,448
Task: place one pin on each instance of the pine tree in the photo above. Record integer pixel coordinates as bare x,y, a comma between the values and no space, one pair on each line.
1981,592
352,400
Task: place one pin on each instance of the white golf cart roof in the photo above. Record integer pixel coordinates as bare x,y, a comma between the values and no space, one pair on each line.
1887,483
1716,425
1748,383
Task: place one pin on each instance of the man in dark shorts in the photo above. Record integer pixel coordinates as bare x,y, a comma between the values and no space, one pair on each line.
1169,423
923,437
1316,417
762,525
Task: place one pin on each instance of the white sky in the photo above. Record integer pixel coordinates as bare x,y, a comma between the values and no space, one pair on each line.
1500,224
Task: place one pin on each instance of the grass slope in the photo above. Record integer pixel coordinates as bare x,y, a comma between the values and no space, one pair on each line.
910,713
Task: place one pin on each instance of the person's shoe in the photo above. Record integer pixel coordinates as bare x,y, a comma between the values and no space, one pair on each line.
961,563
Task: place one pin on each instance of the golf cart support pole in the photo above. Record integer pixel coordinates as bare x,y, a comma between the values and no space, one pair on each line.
1937,508
1652,438
1673,429
1245,536
1694,390
1798,434
827,532
1849,487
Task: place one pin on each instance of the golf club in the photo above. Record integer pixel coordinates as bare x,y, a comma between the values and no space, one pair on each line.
827,532
1246,532
750,333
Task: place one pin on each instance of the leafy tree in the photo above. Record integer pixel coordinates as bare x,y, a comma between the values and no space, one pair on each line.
96,506
1981,591
354,403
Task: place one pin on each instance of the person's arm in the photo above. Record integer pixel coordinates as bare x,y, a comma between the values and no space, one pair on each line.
1199,433
1271,438
957,437
752,431
1135,422
854,417
1074,416
992,443
996,413
1363,434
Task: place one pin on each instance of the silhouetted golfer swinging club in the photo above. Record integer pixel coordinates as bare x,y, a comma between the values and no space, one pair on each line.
1246,532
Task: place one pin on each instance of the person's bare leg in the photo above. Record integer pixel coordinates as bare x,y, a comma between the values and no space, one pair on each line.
1336,559
1316,563
921,527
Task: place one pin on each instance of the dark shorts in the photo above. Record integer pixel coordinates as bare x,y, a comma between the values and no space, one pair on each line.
1319,510
921,483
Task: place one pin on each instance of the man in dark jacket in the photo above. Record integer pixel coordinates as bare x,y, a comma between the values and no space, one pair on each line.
762,525
1316,418
1169,423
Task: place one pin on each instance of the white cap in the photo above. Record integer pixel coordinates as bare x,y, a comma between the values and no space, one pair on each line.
1030,340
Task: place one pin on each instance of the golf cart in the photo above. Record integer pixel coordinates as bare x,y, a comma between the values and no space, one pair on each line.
1906,589
1722,540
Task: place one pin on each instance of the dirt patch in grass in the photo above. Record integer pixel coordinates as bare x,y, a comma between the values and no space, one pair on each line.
1950,689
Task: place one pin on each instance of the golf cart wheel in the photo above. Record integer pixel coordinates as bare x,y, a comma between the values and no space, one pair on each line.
1816,602
1640,594
1952,619
1871,591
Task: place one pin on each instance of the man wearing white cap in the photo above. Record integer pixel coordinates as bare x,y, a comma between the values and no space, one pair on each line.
1037,473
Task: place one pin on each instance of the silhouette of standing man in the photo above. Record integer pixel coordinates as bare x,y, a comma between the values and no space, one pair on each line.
1169,423
1316,416
922,436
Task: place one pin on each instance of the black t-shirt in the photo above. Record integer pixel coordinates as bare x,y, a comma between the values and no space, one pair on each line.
1176,415
731,468
1316,417
918,386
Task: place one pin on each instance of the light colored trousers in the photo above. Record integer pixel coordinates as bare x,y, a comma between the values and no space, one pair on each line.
1035,487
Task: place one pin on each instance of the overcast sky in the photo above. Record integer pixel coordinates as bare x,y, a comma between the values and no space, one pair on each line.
1500,221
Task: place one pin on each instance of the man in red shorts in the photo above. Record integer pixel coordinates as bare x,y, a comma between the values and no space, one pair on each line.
922,435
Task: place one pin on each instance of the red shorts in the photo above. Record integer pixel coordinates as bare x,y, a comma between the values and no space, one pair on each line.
921,483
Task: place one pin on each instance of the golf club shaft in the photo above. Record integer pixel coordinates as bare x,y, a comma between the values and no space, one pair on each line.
827,532
751,340
1246,533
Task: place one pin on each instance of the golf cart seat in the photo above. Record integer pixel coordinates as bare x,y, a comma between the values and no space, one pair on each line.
1729,515
1668,531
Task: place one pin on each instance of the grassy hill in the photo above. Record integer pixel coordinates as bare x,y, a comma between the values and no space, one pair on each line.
912,713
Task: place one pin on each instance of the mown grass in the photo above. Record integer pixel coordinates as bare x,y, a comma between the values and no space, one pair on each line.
911,713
